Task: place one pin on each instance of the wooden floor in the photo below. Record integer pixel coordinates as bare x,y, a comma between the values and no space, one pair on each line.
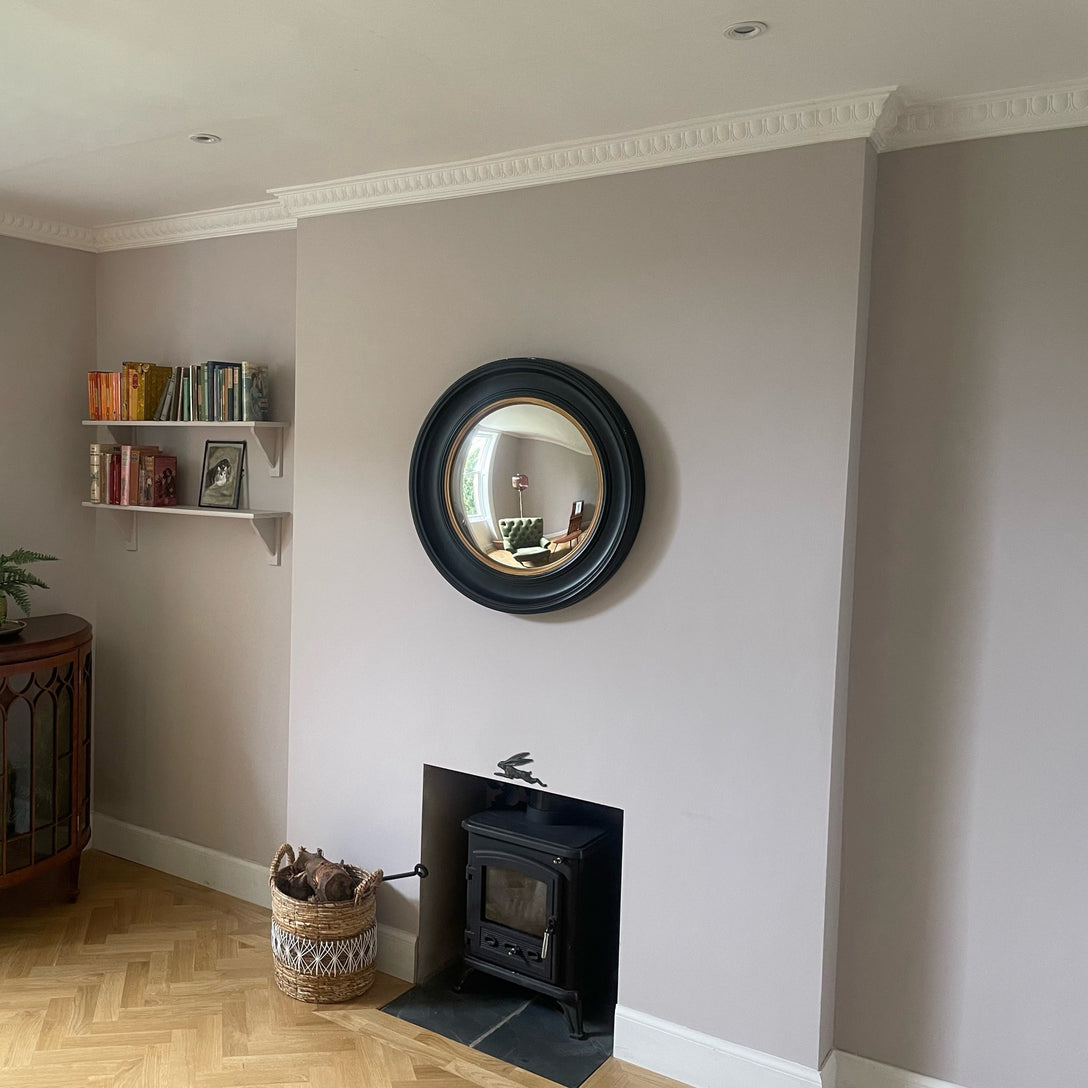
151,980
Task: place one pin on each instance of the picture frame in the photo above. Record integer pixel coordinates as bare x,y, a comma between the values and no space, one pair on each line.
221,475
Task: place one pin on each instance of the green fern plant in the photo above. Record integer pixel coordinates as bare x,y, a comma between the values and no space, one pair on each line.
14,578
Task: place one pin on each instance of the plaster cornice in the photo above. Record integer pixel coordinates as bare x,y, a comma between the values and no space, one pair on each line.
977,116
743,133
217,223
33,229
882,116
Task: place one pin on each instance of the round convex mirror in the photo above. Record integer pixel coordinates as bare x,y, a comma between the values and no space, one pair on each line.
523,485
526,485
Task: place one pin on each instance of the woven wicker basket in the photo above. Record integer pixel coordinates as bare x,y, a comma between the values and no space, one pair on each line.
324,952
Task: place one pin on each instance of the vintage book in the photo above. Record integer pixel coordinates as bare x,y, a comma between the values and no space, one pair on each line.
144,383
130,473
154,379
134,377
138,407
161,472
131,378
113,478
94,396
113,395
255,393
143,493
124,398
166,397
100,452
226,390
100,394
158,480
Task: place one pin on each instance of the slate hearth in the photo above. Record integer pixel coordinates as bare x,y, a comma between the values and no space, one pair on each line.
508,1022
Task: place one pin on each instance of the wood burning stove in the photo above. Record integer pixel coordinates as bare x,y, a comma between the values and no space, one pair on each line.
543,904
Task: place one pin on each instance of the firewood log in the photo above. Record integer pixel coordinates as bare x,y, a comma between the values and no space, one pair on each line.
294,884
331,883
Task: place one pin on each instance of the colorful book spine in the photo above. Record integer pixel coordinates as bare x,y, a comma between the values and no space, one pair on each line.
100,452
130,473
96,473
255,393
166,400
113,478
162,470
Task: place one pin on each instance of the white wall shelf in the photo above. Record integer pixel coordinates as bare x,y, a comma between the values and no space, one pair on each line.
269,435
268,524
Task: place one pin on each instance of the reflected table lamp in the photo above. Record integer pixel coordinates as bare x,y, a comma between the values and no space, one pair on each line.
520,483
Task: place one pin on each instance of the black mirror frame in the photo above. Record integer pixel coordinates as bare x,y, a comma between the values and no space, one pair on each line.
623,485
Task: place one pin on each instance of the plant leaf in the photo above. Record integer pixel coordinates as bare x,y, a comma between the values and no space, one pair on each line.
22,556
18,595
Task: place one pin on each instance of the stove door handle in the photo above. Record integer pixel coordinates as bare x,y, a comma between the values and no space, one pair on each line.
548,931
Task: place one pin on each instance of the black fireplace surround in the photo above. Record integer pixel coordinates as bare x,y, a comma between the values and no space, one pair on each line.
543,904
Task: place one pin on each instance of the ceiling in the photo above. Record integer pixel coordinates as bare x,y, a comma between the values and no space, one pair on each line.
98,97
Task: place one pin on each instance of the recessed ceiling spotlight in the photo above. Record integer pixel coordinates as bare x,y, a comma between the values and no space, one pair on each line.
741,32
205,138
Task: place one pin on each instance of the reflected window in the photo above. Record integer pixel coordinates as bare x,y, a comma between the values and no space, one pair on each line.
475,493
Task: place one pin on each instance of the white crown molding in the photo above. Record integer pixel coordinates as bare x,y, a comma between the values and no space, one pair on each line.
882,116
216,223
745,133
163,231
32,229
977,116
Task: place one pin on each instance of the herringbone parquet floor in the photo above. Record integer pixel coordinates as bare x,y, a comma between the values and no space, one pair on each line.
152,981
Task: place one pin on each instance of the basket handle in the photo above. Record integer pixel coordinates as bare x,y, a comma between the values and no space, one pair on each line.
284,851
367,885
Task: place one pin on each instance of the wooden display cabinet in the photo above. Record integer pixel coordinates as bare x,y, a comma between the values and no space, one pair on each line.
45,748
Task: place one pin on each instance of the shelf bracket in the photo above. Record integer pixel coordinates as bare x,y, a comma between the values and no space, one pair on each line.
271,440
133,542
270,531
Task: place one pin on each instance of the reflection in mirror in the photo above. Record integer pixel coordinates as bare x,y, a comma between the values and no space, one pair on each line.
523,485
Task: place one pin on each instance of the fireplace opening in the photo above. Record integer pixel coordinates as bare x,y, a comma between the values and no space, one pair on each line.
518,947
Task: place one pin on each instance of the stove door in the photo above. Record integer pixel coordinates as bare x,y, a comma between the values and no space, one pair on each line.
513,904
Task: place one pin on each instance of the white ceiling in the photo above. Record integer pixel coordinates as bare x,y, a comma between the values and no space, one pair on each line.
97,97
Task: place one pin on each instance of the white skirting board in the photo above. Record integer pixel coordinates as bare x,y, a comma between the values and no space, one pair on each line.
704,1061
234,876
855,1072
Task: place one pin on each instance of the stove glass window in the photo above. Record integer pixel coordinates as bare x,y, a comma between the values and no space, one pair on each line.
515,900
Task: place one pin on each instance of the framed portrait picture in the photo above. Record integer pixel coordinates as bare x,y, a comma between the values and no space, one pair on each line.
221,477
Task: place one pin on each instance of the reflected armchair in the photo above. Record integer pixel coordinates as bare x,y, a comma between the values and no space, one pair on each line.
524,539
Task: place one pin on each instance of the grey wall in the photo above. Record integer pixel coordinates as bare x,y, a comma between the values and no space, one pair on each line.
963,945
47,325
718,302
846,606
193,628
